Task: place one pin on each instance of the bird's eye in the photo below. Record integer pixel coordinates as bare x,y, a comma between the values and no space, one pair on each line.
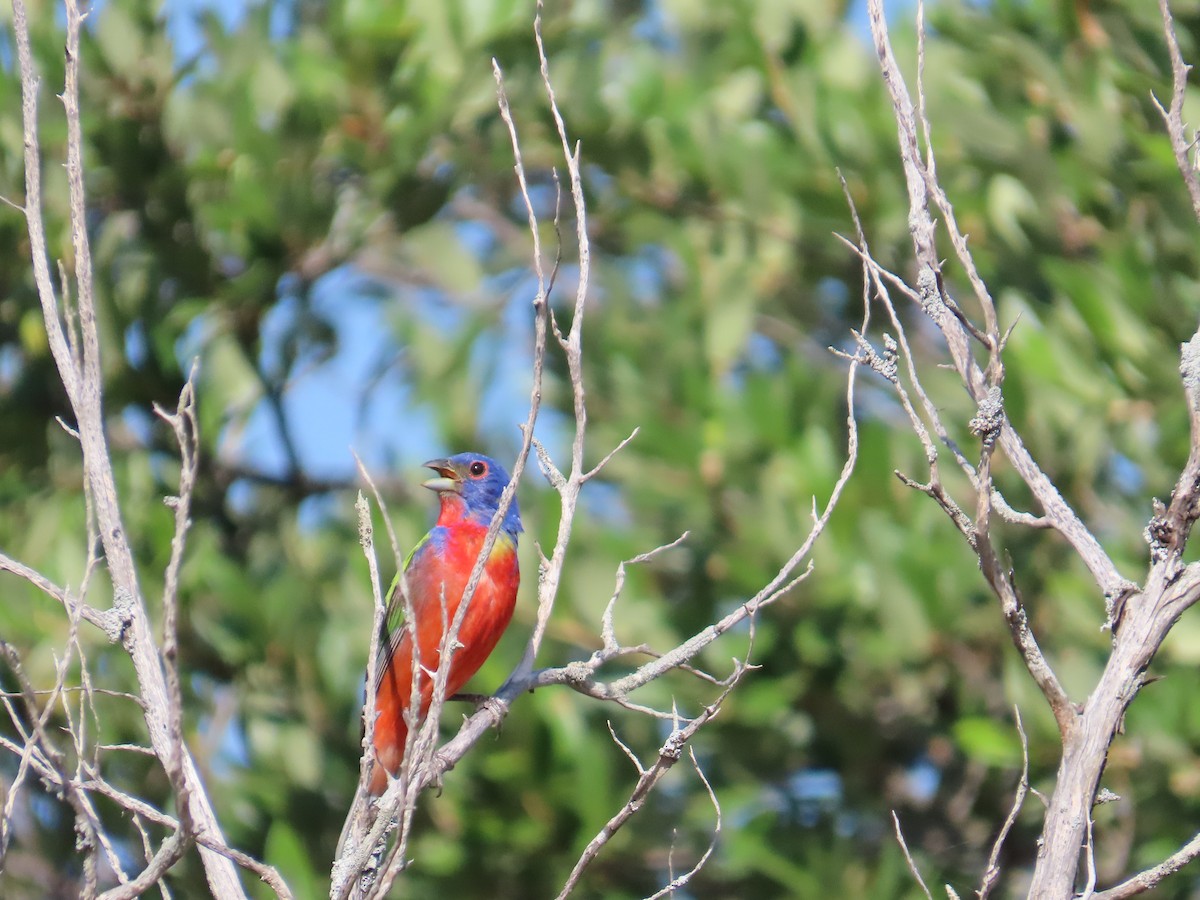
478,469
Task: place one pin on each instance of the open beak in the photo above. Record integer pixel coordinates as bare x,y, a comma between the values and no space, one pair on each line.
448,480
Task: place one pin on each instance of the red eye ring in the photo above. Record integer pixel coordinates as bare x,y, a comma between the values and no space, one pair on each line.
477,469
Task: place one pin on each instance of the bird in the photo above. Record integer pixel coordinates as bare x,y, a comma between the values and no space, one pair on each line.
468,487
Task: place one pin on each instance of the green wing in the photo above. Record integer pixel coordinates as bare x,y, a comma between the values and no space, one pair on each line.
391,629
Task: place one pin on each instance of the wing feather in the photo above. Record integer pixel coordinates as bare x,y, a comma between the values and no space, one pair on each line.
392,632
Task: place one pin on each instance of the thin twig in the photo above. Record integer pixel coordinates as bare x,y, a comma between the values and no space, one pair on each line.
1150,878
1173,116
186,428
1089,853
168,854
912,864
679,881
668,755
991,875
357,819
102,619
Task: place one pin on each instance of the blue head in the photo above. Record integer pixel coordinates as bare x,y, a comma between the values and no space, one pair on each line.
477,481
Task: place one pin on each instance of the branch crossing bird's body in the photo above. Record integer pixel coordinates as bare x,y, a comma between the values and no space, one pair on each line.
469,488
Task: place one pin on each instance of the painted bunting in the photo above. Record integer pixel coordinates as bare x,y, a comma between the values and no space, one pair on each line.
469,486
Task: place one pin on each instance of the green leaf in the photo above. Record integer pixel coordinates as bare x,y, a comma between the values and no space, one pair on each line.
988,741
286,852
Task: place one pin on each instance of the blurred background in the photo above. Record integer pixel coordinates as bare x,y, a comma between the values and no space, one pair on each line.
316,202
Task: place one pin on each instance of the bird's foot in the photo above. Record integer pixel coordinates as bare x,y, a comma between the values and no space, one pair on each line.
440,765
494,706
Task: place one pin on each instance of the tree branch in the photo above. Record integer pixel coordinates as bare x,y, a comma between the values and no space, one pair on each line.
1140,618
106,620
941,308
1173,116
82,380
668,755
1150,878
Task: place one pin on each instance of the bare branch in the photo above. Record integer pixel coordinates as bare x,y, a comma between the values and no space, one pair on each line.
1150,878
141,809
934,300
186,428
32,208
358,818
775,588
1169,530
912,864
1140,618
999,577
611,453
1089,853
549,576
52,762
607,628
991,875
168,854
424,764
637,763
668,755
90,381
1180,145
105,620
82,378
682,880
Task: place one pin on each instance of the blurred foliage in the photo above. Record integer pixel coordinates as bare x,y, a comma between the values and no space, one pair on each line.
259,175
